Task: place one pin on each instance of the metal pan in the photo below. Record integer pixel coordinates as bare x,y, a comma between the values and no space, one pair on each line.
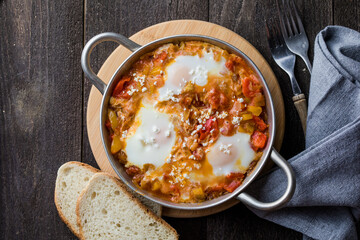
106,89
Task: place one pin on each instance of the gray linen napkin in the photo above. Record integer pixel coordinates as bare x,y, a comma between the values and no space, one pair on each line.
326,203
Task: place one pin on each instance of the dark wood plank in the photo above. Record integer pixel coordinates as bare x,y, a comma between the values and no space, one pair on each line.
347,13
128,17
40,120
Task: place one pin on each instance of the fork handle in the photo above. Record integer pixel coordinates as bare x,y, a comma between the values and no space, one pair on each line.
301,107
307,62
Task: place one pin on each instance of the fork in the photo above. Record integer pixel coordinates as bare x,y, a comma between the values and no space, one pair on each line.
286,60
293,30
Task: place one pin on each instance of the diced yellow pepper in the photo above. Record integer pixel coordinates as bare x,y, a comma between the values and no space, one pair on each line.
241,129
155,71
249,127
113,119
198,193
255,110
247,116
116,144
156,186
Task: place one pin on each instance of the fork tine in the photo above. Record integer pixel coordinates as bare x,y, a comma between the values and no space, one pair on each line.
285,25
291,17
299,22
282,20
279,36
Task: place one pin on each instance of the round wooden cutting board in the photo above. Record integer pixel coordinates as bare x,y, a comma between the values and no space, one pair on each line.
175,28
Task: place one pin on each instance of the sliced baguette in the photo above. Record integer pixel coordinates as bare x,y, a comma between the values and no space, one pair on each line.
72,178
106,210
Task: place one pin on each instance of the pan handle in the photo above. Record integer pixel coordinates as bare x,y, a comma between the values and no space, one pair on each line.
289,192
90,45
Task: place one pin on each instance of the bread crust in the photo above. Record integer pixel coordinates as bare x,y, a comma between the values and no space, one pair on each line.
125,191
61,214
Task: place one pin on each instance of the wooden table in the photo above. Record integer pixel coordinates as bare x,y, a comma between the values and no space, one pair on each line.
44,96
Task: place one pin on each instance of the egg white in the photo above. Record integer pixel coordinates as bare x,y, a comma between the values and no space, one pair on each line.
150,139
231,154
186,69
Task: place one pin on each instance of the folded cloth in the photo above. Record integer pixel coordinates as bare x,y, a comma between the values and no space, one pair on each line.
326,202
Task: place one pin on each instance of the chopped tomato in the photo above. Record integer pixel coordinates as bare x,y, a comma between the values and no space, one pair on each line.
258,140
227,128
260,124
229,65
161,57
118,91
108,124
137,178
133,170
215,190
233,175
209,125
174,190
232,186
258,100
250,86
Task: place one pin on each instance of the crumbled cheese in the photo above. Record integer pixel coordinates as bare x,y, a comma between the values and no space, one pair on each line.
225,148
124,133
161,72
223,115
155,129
143,89
207,150
169,95
188,122
205,144
155,83
140,80
132,91
184,145
199,75
192,157
211,141
241,100
236,120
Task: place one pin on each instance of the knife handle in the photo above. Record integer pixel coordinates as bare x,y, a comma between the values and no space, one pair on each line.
301,107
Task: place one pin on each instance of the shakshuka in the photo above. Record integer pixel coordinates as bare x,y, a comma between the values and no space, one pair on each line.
188,121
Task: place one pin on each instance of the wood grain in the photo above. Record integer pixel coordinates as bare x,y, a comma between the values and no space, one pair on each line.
40,125
301,107
42,97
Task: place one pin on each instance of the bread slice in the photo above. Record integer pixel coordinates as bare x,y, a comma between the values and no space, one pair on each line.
106,210
153,206
72,178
